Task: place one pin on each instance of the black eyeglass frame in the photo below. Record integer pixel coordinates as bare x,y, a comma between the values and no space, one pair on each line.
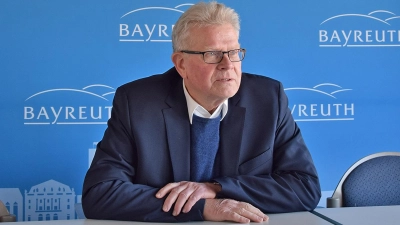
223,53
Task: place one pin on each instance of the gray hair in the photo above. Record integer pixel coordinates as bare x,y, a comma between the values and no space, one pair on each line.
202,14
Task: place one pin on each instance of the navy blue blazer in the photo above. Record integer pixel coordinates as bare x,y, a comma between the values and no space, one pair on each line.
264,160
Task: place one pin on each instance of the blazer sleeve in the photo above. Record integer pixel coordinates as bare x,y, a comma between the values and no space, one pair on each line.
283,178
110,190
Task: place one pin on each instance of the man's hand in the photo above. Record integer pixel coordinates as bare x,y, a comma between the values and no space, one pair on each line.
185,194
231,210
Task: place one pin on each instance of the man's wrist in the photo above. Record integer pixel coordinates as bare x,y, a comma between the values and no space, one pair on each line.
217,187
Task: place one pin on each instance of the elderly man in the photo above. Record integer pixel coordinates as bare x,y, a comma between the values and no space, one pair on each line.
203,141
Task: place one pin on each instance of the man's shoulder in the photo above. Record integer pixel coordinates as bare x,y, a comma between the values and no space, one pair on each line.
154,82
257,91
255,80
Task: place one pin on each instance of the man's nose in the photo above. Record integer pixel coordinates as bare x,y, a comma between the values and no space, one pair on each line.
225,63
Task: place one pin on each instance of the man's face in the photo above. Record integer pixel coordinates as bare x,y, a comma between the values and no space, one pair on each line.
210,84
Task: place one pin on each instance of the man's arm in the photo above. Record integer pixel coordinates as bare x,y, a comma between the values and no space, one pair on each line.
118,200
110,189
292,184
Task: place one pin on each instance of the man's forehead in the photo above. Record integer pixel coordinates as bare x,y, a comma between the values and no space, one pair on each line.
215,37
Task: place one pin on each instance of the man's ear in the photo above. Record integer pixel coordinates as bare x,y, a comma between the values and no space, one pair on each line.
178,60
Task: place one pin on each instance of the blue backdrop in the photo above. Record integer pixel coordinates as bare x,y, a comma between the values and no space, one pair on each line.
61,61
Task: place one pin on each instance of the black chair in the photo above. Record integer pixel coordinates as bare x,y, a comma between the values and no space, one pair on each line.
372,181
5,216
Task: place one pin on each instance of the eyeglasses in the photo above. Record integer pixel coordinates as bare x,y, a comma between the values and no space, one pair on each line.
214,57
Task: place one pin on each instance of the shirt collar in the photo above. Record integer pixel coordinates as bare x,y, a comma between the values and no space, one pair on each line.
198,110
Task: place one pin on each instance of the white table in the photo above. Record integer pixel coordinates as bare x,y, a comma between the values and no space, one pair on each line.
296,218
373,215
377,215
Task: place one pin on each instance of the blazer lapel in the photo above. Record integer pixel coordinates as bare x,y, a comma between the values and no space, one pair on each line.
178,132
231,137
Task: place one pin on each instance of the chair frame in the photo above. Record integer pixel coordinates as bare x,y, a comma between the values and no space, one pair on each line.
337,198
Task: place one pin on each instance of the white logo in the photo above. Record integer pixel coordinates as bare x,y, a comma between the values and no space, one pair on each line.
50,200
374,29
329,110
40,113
150,27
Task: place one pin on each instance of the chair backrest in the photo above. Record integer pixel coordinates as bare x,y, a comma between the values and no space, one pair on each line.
372,181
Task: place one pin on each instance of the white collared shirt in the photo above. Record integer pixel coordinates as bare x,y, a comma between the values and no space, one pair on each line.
198,110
